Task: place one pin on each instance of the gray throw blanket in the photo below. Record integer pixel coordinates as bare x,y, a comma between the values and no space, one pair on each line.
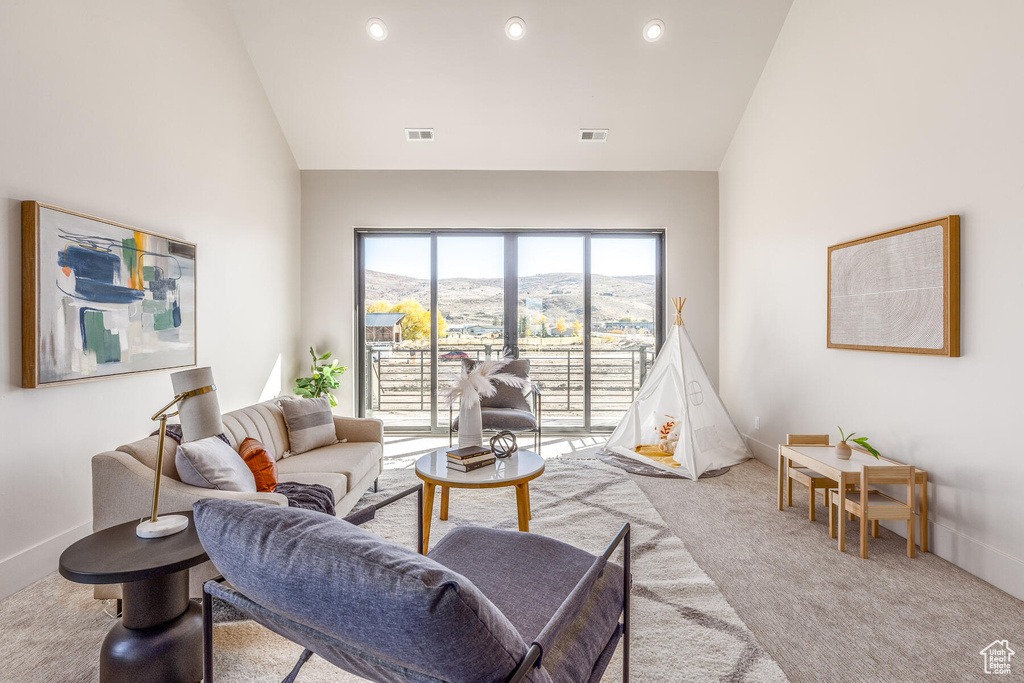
306,496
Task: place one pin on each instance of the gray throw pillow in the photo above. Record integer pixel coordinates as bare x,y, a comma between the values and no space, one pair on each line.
212,464
506,396
310,423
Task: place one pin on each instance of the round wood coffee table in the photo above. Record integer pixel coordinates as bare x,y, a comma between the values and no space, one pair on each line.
160,635
516,470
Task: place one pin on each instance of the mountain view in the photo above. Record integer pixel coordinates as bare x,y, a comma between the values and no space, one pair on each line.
553,295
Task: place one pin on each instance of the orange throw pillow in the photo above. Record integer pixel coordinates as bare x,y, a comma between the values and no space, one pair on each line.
262,464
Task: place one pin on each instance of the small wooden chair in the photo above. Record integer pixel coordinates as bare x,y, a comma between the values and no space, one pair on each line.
805,475
870,505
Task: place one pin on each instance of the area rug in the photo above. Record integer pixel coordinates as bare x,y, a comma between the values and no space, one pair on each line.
683,629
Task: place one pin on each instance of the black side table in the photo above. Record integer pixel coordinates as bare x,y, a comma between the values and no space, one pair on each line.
160,634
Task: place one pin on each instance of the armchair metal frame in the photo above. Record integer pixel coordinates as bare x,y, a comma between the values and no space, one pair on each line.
555,627
534,392
564,616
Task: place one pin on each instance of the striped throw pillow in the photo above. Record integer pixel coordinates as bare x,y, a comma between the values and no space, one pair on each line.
310,423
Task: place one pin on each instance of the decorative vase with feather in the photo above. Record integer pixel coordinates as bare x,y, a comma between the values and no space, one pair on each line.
471,426
472,385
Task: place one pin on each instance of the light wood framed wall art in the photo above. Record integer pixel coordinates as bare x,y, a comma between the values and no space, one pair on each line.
102,299
897,291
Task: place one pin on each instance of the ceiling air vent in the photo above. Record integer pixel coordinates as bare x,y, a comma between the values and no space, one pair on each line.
593,134
419,134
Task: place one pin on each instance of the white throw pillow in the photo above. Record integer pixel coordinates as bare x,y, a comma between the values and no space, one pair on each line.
212,464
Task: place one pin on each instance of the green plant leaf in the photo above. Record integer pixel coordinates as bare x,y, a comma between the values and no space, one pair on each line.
863,441
323,377
841,434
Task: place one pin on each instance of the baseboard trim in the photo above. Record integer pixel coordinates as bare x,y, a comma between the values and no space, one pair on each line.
28,566
769,455
989,564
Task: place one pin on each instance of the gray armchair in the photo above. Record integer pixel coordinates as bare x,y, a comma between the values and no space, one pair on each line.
508,408
484,605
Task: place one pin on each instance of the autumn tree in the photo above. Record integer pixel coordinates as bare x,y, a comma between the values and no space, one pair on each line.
560,326
577,328
416,323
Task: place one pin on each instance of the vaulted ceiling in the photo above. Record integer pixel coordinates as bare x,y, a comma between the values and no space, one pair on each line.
344,99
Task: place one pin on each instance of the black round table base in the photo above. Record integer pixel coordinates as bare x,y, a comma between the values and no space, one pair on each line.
160,634
171,650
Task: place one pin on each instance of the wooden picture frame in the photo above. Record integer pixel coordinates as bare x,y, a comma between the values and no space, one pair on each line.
897,291
102,299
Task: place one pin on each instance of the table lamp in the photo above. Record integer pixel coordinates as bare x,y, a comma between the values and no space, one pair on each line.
199,412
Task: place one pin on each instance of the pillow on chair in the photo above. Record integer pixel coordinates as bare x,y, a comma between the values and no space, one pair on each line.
212,464
310,423
506,396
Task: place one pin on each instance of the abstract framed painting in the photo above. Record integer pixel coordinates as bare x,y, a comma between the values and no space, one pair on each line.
897,291
101,299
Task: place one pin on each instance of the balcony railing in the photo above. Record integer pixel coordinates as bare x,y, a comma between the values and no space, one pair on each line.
399,386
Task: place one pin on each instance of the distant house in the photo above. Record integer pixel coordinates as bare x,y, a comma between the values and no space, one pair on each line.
480,330
624,326
384,327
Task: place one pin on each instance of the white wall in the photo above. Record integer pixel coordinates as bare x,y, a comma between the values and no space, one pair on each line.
333,202
150,114
872,115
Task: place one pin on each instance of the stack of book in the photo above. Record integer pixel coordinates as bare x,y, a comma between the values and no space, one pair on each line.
470,458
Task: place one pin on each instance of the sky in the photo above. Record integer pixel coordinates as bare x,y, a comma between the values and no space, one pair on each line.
482,256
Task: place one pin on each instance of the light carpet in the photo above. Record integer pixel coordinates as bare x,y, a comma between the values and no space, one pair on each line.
683,628
831,616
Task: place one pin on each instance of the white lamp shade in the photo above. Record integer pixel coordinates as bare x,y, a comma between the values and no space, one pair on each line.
199,415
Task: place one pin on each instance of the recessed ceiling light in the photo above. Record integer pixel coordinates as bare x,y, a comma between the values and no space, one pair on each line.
377,29
515,28
654,30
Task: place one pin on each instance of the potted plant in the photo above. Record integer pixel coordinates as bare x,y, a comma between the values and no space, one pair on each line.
843,450
325,377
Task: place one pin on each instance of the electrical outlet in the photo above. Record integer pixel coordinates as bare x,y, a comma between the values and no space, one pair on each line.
757,423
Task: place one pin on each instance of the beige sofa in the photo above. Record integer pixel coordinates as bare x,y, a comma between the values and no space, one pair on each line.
122,480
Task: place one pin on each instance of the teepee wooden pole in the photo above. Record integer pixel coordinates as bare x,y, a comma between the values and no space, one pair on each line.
679,302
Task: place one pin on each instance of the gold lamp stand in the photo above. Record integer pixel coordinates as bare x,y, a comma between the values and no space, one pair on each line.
156,526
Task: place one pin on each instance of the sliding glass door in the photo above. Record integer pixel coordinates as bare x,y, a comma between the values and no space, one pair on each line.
551,318
397,368
623,323
470,303
585,307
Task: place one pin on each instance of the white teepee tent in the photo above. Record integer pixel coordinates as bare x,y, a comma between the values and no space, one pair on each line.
678,387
